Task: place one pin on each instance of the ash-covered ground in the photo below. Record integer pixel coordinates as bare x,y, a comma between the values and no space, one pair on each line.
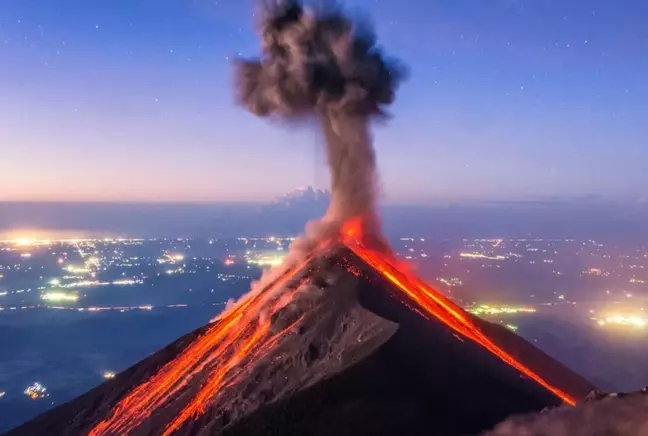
345,357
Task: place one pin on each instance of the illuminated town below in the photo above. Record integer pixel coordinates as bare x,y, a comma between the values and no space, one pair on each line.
81,265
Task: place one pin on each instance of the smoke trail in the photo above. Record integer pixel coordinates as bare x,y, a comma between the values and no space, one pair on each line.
320,64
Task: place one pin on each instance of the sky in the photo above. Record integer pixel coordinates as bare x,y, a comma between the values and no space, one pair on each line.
130,100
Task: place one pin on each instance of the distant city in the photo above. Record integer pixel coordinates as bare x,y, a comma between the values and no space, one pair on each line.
74,274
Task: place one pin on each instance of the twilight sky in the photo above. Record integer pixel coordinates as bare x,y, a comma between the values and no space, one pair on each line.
131,100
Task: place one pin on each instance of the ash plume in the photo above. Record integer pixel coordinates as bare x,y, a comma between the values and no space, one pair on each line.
320,64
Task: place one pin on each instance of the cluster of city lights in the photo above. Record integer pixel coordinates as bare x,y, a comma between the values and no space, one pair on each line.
28,242
264,260
171,258
94,283
624,320
452,281
59,296
36,391
26,239
75,269
484,309
476,255
100,308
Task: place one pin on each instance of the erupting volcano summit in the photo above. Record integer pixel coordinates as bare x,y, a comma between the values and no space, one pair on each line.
340,339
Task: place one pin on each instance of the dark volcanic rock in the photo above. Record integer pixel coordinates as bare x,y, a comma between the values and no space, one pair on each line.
358,363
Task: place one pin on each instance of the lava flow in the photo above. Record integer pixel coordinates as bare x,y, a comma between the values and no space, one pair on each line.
241,337
235,334
453,316
251,347
434,303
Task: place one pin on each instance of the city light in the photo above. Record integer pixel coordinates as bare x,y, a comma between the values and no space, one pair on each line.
265,259
36,391
59,296
636,321
127,282
93,261
84,284
476,255
76,269
484,309
170,258
452,281
24,242
108,375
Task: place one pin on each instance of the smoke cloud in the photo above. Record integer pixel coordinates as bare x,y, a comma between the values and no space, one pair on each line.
319,63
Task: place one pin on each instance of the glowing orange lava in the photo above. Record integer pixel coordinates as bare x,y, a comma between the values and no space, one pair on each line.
229,354
446,311
225,344
240,337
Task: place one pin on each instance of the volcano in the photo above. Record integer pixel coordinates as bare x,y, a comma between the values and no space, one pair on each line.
348,343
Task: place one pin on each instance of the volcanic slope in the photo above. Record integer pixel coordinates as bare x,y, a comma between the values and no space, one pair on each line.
345,351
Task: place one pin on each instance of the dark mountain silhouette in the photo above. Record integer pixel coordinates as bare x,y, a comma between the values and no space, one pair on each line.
350,354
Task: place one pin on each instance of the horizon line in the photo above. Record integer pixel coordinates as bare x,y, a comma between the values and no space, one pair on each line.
395,202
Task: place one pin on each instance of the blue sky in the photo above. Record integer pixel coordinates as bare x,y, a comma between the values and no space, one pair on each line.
131,100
